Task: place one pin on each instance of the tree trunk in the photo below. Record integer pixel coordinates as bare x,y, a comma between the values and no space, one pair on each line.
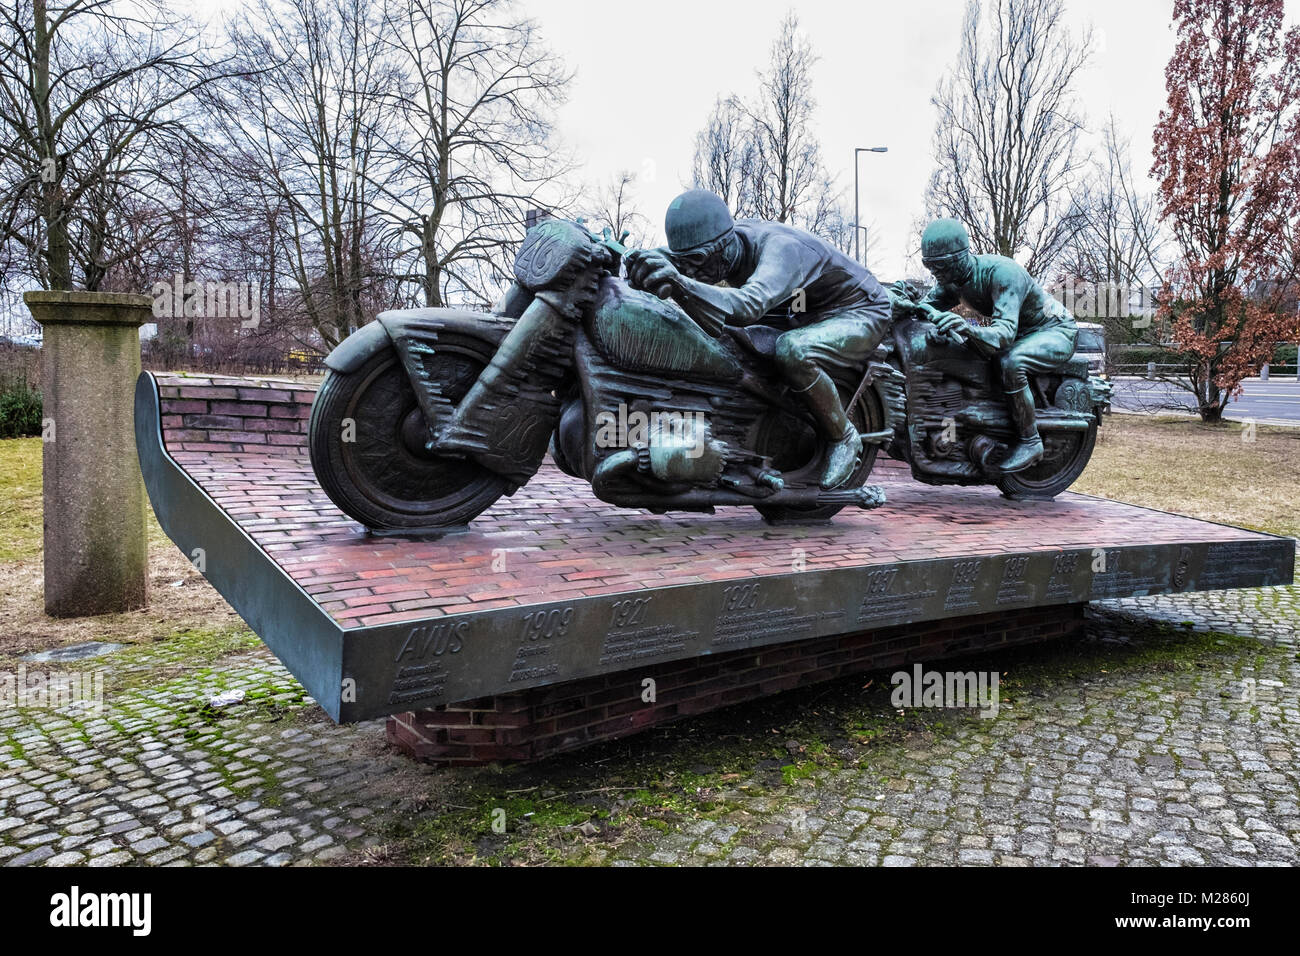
58,255
432,270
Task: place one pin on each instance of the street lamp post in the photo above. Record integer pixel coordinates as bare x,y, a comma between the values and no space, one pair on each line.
857,229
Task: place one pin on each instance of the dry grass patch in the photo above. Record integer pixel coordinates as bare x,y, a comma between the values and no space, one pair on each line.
179,599
1205,471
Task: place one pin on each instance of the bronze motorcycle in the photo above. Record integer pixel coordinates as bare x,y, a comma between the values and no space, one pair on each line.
426,417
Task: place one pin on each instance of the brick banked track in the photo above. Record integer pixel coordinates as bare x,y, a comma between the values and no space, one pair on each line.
554,545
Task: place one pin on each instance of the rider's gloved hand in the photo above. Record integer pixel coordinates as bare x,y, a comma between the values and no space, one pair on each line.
651,270
950,323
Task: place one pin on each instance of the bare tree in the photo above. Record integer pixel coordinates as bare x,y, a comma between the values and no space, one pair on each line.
473,149
789,181
307,116
615,209
762,157
1006,140
724,156
85,85
1119,240
1111,271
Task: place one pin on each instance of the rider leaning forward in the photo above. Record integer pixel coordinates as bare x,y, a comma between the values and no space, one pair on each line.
771,270
1030,331
767,265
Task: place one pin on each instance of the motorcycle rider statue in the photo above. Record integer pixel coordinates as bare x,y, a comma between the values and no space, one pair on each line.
837,312
1030,330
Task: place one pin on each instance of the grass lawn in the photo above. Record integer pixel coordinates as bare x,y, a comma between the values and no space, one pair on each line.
20,498
182,604
1206,471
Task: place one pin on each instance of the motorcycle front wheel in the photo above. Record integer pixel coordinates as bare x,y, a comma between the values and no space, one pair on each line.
366,440
1065,456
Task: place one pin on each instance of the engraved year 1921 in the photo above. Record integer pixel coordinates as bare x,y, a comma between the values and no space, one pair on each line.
629,612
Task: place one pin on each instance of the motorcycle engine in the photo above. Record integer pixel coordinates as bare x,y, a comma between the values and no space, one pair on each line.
680,449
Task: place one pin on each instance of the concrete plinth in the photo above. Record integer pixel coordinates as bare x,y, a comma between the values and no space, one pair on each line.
96,561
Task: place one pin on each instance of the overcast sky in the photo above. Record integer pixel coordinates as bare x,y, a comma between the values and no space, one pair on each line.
647,77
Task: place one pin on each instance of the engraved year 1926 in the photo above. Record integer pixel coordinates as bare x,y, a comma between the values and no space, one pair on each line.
740,597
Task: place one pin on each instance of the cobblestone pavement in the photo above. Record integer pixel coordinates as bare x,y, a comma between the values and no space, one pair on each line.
1190,770
1189,765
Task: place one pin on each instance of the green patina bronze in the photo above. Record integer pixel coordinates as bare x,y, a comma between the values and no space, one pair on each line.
745,363
1029,330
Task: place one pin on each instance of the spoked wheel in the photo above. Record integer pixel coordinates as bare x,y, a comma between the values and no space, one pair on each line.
367,436
799,453
1065,455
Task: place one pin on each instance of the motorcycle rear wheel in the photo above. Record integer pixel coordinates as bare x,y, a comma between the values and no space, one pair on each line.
867,416
366,439
1066,456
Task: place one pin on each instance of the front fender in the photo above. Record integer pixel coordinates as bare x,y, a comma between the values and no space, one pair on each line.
349,354
416,324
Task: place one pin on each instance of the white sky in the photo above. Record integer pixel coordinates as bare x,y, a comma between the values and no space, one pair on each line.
648,75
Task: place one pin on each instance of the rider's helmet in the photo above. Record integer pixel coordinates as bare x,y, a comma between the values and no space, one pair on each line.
701,235
945,249
694,218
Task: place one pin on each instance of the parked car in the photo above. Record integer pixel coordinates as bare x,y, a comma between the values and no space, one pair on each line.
1091,345
21,341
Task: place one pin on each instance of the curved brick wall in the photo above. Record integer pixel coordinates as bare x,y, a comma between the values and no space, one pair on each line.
205,413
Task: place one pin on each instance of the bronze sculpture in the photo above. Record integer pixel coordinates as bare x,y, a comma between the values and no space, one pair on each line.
1029,332
686,401
834,311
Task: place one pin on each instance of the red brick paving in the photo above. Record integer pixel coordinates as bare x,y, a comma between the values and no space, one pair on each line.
243,442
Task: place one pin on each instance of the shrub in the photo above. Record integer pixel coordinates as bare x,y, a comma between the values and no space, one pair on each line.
20,409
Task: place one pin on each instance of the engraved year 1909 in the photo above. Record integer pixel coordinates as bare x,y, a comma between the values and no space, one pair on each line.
539,625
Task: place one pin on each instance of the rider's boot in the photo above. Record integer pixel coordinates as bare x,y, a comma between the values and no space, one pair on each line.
845,451
1028,451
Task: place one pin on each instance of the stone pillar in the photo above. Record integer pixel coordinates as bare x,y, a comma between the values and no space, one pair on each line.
96,560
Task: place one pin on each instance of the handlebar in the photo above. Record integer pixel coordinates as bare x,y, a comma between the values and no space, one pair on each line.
929,312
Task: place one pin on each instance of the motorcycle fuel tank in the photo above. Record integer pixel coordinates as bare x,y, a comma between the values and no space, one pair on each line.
640,332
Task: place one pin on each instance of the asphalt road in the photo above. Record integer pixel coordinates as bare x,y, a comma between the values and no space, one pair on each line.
1277,400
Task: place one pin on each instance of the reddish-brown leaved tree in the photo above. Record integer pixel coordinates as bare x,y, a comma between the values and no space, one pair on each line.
1227,155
